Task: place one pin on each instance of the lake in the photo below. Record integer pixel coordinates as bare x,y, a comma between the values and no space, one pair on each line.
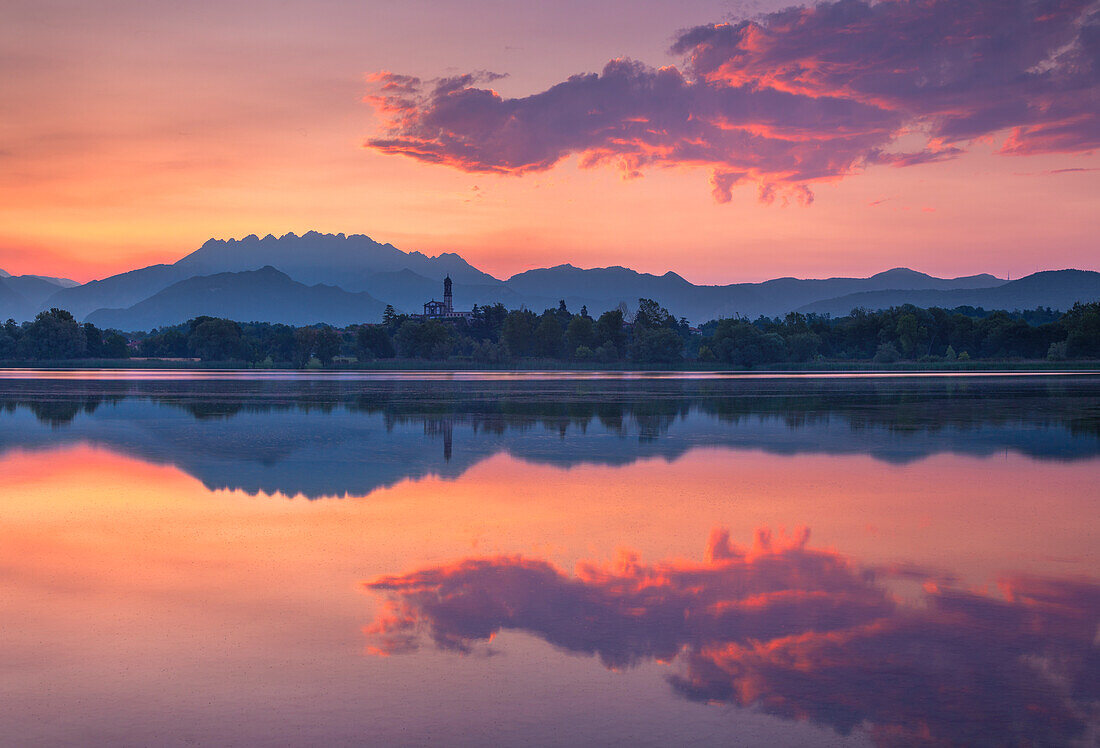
549,559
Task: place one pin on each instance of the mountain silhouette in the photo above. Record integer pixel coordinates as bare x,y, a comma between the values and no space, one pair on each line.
34,288
117,291
357,264
266,295
408,290
335,259
12,303
22,295
602,288
1058,289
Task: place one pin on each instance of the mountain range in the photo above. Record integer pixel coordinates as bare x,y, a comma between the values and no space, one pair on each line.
1053,288
343,279
265,294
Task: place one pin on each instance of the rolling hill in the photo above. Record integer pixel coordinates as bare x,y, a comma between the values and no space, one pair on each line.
122,290
1058,289
12,303
21,296
603,288
266,295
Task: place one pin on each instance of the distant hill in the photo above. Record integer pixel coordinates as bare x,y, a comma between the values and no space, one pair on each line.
21,296
603,288
34,288
118,291
12,303
266,295
1058,289
62,282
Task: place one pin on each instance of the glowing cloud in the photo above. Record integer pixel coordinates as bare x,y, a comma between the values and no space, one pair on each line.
797,96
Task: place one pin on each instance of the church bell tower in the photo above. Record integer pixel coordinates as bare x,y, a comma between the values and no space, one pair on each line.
448,300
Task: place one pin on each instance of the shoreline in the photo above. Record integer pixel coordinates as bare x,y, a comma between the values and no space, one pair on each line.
553,365
13,370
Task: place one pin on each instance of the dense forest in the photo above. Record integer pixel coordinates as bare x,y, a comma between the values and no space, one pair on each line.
651,335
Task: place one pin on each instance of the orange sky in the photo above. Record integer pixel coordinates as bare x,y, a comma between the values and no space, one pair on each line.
131,134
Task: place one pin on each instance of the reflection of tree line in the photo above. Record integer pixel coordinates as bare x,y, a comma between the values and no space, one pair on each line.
651,407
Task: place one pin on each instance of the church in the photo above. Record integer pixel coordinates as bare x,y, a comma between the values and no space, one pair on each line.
444,310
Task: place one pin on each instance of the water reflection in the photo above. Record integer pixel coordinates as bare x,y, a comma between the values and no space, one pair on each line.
959,607
796,632
334,437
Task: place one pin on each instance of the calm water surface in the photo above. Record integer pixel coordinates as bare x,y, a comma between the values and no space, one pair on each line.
548,559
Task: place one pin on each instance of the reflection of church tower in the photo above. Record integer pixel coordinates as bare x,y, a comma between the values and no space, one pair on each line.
448,301
442,427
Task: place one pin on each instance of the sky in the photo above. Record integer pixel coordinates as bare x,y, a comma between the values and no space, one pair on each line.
724,140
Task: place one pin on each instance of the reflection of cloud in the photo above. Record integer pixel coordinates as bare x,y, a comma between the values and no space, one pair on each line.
793,631
798,95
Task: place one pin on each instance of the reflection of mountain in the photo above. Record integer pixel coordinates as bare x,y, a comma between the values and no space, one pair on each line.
798,633
335,438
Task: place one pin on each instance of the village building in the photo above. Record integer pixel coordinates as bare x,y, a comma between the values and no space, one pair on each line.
444,310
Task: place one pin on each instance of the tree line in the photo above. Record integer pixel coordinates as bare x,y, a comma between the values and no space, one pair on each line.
56,335
495,335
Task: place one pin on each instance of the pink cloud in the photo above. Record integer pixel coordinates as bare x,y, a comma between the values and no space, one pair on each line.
795,97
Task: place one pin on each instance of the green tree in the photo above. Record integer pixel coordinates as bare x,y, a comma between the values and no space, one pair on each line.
739,342
581,332
548,337
115,345
1082,323
517,332
431,339
305,342
652,314
93,340
54,335
804,346
215,339
373,342
10,336
327,346
653,345
887,353
610,332
911,335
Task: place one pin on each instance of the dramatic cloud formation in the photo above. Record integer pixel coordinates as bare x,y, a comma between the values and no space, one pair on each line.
799,633
797,96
